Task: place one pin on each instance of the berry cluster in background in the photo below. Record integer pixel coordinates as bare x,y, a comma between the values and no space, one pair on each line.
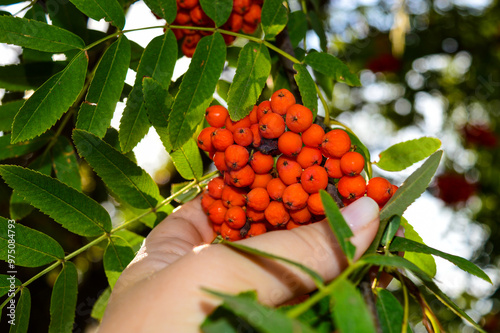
245,17
273,164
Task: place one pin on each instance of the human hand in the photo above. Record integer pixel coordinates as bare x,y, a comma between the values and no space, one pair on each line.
161,288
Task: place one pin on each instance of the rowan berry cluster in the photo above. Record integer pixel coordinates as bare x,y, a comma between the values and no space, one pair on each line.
273,164
244,17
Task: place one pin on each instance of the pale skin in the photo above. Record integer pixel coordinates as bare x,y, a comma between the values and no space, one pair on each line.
161,289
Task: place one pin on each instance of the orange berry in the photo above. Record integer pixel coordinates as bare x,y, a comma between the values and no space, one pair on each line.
183,17
261,180
298,118
256,229
258,199
205,138
235,217
243,177
252,16
234,125
220,161
216,115
315,205
283,161
215,187
281,100
352,187
290,143
332,167
235,22
352,163
276,214
263,109
236,157
275,189
228,39
255,135
248,28
216,228
206,201
199,17
292,225
229,233
178,33
261,163
271,125
301,215
313,136
335,143
243,136
290,172
255,215
216,212
294,197
191,41
253,115
187,4
241,6
232,196
309,156
314,179
222,138
188,51
394,189
379,189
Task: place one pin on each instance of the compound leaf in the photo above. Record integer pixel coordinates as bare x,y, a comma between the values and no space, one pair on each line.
197,88
63,300
254,66
32,248
117,256
217,10
307,88
110,10
65,164
274,18
104,92
50,101
163,8
23,310
11,150
404,154
187,160
72,209
330,65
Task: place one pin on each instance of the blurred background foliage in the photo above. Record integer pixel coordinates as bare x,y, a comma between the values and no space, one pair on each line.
427,68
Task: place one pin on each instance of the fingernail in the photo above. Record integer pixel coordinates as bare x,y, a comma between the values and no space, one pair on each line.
360,213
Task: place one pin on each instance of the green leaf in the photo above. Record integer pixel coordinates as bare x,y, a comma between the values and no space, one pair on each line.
223,89
133,239
391,230
65,15
65,163
50,101
157,61
240,247
128,182
254,66
163,8
250,310
27,76
37,35
319,29
412,188
330,65
104,92
425,261
117,256
449,303
6,282
338,225
101,304
9,150
390,311
404,154
222,320
23,309
307,88
135,56
274,18
110,10
31,248
186,196
395,262
158,105
350,312
63,300
7,113
197,88
403,244
297,27
72,209
187,160
217,10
